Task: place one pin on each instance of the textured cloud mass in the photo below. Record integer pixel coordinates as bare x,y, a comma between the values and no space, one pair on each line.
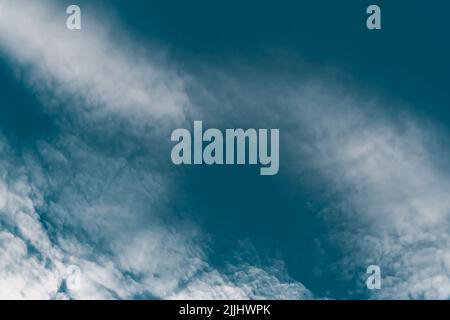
76,202
103,204
91,69
390,185
381,175
121,247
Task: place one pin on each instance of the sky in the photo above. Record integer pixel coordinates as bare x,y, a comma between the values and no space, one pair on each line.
86,179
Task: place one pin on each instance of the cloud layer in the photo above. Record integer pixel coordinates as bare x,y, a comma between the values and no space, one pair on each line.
77,201
387,190
93,69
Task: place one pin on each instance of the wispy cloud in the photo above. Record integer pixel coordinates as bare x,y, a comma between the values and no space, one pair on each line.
384,185
377,172
387,182
91,68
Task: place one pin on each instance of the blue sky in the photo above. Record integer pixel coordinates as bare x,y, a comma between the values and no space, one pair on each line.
85,171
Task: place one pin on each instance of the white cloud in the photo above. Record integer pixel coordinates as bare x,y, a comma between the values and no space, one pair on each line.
380,172
92,68
393,184
248,282
393,206
23,275
68,204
